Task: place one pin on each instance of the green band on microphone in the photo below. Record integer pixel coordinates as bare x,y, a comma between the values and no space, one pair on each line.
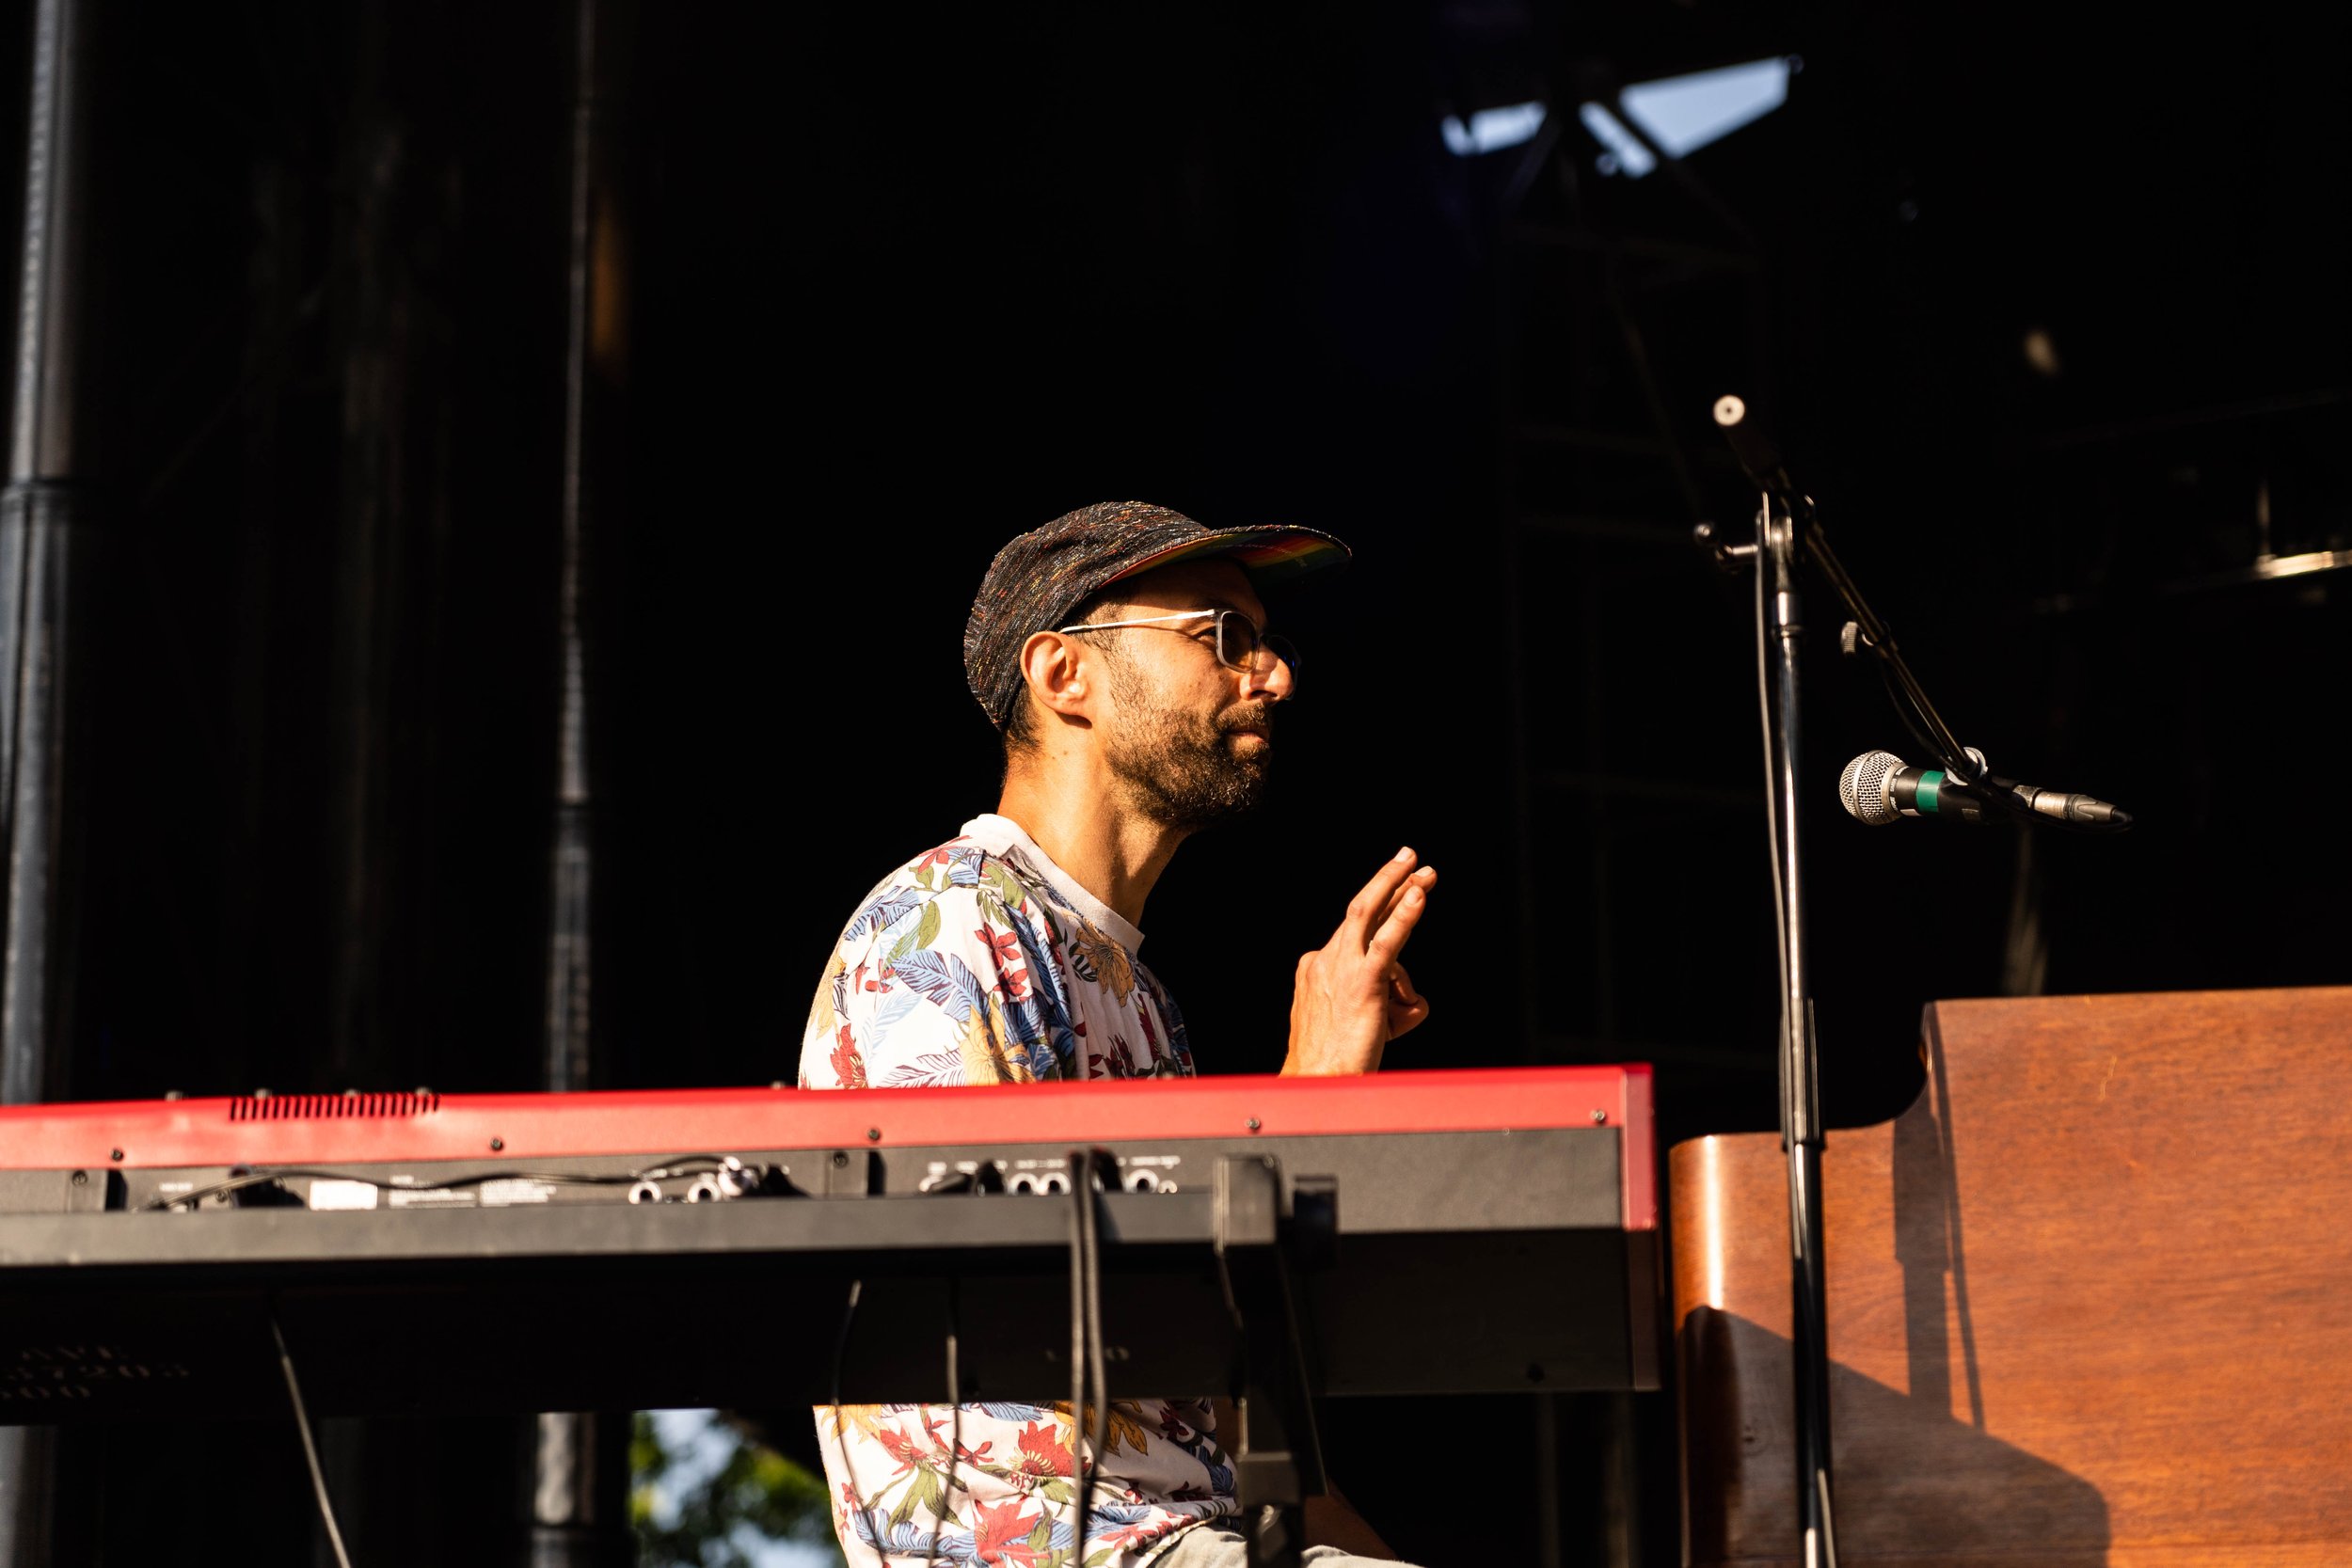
1930,786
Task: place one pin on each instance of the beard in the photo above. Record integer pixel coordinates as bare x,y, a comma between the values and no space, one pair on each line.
1181,768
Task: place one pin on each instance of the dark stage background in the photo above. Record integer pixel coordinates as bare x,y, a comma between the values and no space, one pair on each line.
881,288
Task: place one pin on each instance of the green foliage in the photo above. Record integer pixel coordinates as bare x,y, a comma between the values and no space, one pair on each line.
756,1496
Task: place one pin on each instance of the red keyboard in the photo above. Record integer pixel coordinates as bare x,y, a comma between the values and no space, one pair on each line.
1443,1231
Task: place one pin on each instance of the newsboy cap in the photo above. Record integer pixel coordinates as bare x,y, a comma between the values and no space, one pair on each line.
1037,580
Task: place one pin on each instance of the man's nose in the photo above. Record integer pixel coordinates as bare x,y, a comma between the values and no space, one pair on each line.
1276,683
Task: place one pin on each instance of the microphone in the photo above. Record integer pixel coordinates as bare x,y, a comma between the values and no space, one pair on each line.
1877,787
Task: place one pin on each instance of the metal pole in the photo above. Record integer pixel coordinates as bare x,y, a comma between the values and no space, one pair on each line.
38,516
1779,627
566,1059
577,1514
579,1484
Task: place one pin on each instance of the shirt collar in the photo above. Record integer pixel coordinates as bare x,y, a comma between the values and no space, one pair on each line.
996,834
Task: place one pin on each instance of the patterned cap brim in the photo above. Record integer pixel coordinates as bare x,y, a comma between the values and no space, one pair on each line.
1270,552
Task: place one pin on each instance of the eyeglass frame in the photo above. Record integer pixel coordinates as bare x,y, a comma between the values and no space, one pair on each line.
1278,646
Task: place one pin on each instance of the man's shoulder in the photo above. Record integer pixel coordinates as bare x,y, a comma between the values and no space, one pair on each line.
937,979
958,871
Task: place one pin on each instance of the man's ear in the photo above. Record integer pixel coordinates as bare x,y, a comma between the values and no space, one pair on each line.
1059,677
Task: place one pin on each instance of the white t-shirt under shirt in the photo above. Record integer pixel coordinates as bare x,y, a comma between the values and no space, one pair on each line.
982,961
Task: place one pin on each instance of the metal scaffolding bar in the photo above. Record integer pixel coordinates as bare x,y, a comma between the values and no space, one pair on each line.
576,1497
40,511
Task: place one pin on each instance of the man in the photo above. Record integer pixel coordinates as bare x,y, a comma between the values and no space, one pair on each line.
1122,652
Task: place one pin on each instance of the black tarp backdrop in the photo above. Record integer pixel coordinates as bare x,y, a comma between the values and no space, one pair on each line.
903,286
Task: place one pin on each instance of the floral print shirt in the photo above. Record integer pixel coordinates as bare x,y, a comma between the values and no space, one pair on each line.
982,961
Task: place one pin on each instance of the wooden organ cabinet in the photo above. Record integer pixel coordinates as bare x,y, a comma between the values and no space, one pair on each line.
2091,1298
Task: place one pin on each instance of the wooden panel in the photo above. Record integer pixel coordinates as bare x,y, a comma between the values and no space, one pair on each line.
2091,1297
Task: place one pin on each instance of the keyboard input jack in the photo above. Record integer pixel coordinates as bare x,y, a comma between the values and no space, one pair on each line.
645,1192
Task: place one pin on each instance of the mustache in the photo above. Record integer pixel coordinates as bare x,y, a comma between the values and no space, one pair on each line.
1247,716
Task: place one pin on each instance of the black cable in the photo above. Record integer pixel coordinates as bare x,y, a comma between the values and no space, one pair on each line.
1084,1171
1080,1226
1914,723
310,1446
955,1435
679,1165
1773,804
1311,1433
840,1434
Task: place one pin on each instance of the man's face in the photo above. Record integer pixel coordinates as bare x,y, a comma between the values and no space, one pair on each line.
1190,740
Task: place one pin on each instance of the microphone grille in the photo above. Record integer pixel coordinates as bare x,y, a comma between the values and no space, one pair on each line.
1862,788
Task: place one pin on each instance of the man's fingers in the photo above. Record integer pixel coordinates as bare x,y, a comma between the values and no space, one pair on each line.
1407,1008
1388,941
1425,879
1369,908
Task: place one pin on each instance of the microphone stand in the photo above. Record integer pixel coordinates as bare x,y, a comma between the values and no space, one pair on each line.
1784,525
1778,625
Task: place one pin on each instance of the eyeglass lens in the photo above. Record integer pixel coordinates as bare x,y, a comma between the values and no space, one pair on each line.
1240,646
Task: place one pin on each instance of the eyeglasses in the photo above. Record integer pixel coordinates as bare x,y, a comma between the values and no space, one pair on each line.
1240,645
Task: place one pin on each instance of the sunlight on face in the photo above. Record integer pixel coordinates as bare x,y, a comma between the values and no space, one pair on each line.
1190,741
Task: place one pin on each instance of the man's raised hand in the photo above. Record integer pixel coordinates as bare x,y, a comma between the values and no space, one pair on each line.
1352,996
